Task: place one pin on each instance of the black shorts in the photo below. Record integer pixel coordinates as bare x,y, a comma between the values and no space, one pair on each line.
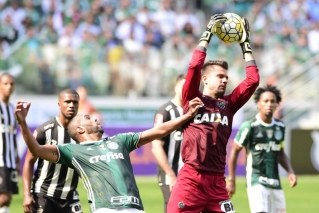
48,204
8,180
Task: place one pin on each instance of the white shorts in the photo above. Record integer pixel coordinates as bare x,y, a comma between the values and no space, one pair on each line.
262,199
126,210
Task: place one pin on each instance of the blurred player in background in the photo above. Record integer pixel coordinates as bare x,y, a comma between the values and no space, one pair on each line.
85,107
54,185
9,158
201,185
167,149
263,138
104,164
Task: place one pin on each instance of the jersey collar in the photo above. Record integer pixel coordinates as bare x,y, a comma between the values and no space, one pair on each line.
263,123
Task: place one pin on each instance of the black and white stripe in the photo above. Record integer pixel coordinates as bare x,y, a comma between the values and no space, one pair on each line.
172,142
54,180
8,143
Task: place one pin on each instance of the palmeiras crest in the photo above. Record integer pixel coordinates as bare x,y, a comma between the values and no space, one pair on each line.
278,134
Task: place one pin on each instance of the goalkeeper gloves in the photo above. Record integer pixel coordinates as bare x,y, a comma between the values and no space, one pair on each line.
245,39
210,28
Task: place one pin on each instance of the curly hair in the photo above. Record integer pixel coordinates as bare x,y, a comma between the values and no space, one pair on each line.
268,88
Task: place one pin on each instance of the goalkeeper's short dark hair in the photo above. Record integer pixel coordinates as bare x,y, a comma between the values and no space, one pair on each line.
268,88
221,63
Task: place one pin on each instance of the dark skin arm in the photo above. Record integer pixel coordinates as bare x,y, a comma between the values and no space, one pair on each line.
285,163
27,175
232,163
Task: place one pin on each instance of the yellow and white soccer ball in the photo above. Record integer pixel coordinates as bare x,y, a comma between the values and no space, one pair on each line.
230,31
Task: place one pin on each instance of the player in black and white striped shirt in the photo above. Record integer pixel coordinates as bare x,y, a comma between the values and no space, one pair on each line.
54,185
9,160
167,149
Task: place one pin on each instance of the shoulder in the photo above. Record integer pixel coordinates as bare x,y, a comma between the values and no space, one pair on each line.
50,124
165,106
279,122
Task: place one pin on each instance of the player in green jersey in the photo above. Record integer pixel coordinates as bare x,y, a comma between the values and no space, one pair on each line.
263,138
103,164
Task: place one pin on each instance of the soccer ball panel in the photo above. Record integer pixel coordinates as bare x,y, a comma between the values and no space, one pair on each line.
231,30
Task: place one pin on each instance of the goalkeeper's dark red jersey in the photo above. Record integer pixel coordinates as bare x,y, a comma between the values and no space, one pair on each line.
205,137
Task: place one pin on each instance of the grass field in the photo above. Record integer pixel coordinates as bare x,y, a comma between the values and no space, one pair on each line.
302,199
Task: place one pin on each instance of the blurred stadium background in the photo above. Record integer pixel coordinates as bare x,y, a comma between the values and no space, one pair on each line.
128,52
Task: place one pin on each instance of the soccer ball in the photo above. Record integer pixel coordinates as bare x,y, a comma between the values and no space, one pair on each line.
230,31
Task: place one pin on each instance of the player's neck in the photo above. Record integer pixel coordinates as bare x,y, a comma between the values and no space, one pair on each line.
5,99
265,119
63,121
177,101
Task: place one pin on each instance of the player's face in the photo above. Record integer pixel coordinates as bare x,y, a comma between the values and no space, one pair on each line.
69,105
6,85
92,125
215,80
267,104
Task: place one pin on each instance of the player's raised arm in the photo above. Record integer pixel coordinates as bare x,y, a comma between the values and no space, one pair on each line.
163,129
191,86
46,152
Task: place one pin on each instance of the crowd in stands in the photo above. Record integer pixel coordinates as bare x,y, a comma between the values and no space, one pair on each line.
135,48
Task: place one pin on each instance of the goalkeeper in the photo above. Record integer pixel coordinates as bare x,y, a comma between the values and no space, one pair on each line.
201,185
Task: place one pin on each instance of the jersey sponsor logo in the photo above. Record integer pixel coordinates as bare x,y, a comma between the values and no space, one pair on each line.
107,157
278,134
211,118
122,200
268,181
221,104
112,145
271,146
227,206
48,126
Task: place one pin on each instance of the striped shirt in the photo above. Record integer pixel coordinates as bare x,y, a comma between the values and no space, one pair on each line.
8,143
54,180
172,142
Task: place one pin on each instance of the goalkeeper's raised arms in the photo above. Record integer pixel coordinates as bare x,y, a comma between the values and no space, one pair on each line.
245,39
210,28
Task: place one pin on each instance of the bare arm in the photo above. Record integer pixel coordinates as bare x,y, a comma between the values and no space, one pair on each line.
161,159
26,179
285,163
163,129
232,163
46,152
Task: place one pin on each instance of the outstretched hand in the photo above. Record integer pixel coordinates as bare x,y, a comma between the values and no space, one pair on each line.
22,110
194,105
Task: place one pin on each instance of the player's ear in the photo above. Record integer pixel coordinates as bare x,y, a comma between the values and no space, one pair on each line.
80,130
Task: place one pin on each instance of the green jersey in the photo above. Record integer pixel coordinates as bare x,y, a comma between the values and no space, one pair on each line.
263,143
106,171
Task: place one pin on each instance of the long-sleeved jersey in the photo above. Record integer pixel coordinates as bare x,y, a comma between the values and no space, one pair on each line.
205,137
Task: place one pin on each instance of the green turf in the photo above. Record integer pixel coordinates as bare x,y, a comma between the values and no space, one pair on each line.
302,199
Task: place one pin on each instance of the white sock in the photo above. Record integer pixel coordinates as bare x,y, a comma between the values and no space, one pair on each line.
4,209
